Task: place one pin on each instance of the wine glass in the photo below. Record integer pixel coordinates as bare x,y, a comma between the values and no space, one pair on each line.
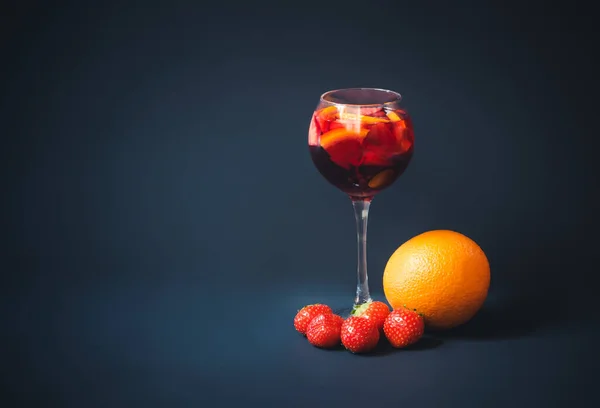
361,141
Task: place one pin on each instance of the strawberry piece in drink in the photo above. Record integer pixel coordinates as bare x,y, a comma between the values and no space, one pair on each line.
379,144
344,146
336,125
379,135
346,152
377,112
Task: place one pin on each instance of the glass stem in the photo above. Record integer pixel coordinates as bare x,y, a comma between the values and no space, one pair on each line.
361,213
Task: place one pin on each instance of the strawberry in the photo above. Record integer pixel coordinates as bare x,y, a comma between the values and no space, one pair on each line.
307,313
336,125
346,153
375,311
403,327
324,330
359,335
375,112
380,136
372,111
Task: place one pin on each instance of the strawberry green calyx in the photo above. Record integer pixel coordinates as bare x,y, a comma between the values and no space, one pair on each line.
359,310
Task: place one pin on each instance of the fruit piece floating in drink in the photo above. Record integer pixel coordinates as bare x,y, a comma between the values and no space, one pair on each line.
360,149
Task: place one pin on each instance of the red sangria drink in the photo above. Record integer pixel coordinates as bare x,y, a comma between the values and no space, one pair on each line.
361,149
361,140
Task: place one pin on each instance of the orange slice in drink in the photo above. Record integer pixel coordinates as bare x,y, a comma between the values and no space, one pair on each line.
340,134
393,116
404,133
400,122
325,117
328,113
382,178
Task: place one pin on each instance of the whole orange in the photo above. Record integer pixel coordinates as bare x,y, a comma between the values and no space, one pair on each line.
442,274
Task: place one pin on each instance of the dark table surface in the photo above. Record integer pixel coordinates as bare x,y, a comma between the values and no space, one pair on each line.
177,345
162,221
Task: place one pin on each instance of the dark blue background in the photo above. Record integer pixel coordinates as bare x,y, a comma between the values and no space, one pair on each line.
163,220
